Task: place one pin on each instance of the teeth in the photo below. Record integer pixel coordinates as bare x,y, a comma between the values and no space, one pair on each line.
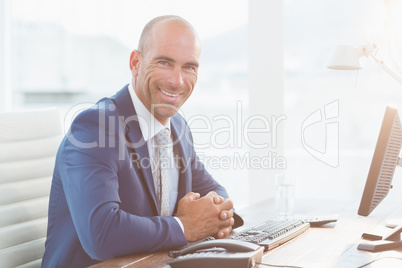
169,94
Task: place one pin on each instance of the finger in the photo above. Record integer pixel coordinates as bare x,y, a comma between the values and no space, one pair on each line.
212,194
192,196
225,214
224,232
226,223
215,197
218,200
226,205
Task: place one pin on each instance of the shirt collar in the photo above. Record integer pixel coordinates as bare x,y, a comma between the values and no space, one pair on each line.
148,124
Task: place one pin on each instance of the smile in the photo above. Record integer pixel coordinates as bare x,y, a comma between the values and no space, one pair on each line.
170,94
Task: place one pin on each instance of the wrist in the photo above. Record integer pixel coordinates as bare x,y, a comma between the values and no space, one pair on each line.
180,223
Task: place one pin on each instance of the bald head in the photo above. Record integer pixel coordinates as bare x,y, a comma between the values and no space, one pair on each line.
147,33
164,68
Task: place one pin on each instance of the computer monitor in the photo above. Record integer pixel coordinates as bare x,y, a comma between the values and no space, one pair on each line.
384,162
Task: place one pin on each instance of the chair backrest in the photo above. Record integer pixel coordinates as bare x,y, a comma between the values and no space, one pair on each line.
28,146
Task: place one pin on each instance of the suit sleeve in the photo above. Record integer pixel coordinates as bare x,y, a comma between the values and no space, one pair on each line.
91,183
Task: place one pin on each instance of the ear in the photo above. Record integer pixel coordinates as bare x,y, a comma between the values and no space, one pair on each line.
135,59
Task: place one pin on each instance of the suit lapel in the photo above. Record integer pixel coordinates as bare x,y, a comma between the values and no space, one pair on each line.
135,142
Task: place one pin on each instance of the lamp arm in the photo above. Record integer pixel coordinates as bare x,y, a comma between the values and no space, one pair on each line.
385,67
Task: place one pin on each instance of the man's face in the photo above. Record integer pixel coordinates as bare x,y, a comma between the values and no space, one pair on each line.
167,71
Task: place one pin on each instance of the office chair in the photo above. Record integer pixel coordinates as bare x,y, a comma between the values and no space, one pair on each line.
28,146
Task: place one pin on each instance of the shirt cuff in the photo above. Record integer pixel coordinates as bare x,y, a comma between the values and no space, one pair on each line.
179,222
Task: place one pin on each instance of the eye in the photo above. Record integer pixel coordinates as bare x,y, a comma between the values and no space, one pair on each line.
189,68
164,63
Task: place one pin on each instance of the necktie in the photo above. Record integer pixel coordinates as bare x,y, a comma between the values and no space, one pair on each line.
161,179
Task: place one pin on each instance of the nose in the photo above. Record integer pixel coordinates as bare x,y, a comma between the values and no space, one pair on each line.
175,77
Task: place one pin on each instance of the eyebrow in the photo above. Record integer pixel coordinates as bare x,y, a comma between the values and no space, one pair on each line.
191,63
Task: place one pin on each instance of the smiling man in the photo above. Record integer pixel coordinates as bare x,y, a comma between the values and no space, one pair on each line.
119,188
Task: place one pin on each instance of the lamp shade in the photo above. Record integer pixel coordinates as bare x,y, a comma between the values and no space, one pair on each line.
345,58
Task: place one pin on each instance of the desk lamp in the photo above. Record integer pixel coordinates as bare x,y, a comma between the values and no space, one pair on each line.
347,58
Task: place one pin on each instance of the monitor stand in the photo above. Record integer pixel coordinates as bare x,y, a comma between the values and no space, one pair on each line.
389,241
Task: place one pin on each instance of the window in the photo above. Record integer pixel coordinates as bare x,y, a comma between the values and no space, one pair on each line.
313,29
69,54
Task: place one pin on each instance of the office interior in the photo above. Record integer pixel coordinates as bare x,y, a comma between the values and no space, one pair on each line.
265,102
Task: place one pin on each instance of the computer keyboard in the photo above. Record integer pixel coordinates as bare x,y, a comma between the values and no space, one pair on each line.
271,233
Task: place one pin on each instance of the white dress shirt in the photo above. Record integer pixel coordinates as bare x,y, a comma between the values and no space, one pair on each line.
149,128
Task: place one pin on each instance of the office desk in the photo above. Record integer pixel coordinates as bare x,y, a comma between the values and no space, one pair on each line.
332,245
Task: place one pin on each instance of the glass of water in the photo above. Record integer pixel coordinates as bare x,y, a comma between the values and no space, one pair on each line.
284,194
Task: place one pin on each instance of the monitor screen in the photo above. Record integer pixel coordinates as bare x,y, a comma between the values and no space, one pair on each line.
384,162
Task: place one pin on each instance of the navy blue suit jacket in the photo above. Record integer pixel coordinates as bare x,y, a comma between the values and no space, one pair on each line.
102,200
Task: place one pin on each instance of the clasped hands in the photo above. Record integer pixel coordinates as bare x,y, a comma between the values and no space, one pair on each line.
210,215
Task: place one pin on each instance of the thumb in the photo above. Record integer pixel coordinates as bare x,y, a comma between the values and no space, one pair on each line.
191,196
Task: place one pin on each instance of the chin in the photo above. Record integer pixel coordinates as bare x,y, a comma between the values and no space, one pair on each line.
168,112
